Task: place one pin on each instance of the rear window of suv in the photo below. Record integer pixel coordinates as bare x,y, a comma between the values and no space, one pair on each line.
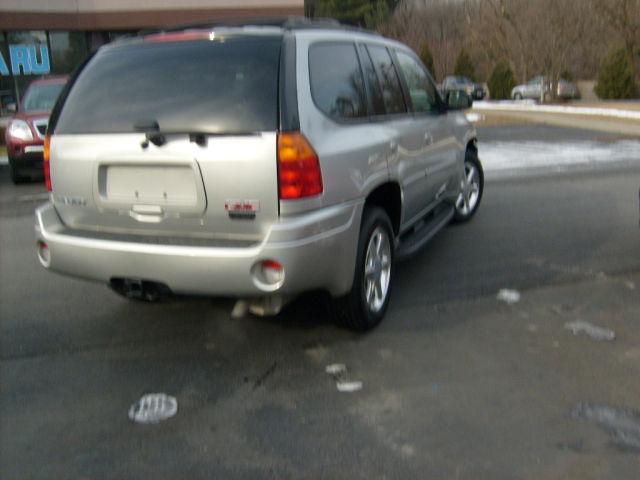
228,86
337,85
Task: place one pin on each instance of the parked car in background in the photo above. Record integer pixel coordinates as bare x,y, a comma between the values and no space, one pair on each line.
533,90
272,161
457,83
25,133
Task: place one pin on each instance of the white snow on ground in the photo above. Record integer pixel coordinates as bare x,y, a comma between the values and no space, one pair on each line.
531,106
4,160
507,156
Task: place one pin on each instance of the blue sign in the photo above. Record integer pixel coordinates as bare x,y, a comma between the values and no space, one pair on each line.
24,60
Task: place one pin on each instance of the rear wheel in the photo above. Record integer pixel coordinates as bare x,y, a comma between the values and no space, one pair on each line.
365,305
472,187
517,96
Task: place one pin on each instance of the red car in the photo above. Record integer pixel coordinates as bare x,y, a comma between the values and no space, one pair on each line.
26,131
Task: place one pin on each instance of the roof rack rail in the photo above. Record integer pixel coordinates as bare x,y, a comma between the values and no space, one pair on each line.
286,23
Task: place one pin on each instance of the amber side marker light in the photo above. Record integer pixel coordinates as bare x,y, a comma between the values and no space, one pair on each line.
299,174
47,162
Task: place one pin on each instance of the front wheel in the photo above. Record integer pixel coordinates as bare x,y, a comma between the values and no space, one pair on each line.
364,306
16,176
471,188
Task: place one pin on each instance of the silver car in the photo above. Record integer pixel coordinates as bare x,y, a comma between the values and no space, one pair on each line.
257,162
533,90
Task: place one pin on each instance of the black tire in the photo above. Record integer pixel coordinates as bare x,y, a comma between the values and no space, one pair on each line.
461,216
517,96
16,177
352,310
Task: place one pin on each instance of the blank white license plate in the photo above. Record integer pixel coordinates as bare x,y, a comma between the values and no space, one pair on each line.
155,184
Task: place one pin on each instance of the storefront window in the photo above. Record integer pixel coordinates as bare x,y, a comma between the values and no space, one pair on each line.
30,54
68,49
23,70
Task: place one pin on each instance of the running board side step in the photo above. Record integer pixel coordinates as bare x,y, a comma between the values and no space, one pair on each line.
413,242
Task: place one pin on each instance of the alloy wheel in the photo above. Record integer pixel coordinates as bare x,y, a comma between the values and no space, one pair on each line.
377,270
468,198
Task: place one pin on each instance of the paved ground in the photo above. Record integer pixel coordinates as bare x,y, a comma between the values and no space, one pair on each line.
455,383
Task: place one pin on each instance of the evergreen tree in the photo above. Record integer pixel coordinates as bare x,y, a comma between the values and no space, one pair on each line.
464,66
501,81
616,79
378,16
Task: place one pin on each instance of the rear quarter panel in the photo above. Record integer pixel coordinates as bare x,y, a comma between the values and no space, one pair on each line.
352,153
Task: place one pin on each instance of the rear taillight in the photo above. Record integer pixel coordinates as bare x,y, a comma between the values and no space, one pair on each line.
299,174
46,161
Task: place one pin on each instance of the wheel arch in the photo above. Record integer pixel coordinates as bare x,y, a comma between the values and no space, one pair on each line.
388,196
472,145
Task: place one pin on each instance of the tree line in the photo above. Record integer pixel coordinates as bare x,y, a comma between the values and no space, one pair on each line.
512,40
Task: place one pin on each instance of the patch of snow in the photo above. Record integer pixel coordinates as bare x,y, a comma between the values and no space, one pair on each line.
593,331
348,387
4,160
339,373
153,408
510,297
622,424
531,106
506,156
336,369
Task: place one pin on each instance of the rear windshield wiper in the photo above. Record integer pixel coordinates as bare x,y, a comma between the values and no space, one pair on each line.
155,135
151,129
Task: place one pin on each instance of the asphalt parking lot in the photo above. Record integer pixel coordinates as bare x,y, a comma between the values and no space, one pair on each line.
456,384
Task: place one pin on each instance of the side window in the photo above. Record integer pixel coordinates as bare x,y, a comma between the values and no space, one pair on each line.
337,85
421,89
375,93
389,81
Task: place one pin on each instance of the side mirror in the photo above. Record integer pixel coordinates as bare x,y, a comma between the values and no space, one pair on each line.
11,107
459,100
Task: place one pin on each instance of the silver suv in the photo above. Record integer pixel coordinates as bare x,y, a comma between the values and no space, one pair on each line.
254,161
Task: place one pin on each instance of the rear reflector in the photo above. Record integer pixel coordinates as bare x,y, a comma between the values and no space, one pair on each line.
47,162
299,174
43,254
268,275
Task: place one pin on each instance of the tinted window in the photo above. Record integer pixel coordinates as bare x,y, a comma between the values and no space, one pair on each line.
421,90
375,93
209,86
337,85
389,82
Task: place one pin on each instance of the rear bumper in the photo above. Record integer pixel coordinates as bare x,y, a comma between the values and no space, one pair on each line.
317,250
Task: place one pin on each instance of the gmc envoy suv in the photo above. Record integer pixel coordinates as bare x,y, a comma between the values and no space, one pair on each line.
255,161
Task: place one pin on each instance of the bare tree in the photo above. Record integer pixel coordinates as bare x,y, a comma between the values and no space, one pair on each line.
535,37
